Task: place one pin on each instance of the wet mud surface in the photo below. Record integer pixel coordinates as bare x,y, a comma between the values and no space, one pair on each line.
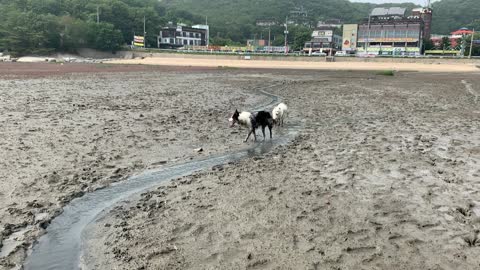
385,175
66,135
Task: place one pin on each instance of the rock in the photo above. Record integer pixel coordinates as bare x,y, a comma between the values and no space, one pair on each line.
198,150
161,162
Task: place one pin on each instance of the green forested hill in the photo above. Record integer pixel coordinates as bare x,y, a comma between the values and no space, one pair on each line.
236,19
38,26
449,15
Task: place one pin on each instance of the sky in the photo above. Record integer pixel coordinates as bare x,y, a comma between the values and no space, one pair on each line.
419,2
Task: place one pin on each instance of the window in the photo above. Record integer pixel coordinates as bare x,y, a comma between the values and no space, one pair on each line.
191,42
184,34
171,41
185,42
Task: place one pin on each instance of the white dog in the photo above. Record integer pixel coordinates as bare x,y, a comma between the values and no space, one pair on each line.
279,113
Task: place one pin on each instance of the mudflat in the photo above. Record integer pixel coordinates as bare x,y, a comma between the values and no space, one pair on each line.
384,175
74,128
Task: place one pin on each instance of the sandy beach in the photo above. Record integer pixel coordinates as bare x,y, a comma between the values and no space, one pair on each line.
188,61
385,173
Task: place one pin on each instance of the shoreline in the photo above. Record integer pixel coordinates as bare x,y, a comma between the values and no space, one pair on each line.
298,65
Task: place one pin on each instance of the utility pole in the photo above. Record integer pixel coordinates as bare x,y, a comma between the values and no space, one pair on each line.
269,44
144,34
98,14
286,34
471,44
368,37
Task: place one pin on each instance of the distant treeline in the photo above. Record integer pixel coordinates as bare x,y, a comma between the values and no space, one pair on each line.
42,26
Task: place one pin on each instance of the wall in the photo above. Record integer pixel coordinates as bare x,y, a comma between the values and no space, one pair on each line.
88,53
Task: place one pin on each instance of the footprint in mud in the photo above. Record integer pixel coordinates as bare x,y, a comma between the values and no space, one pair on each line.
473,239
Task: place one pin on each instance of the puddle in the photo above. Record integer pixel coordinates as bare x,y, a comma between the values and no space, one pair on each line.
60,247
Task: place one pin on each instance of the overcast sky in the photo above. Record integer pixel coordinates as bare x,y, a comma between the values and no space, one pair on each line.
419,2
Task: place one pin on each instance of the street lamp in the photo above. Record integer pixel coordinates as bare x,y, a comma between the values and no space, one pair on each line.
286,34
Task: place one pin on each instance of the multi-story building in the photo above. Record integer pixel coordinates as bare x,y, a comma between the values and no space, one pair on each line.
350,35
390,32
425,14
324,39
181,36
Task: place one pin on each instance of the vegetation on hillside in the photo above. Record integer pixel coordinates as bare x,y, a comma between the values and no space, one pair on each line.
42,26
450,15
234,21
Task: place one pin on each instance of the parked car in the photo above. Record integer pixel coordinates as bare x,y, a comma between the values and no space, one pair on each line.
341,53
366,55
318,54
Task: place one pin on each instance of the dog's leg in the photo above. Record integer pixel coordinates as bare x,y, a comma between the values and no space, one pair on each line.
270,128
248,136
263,131
254,134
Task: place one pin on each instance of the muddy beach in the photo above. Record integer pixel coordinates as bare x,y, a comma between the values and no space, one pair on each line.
384,175
80,128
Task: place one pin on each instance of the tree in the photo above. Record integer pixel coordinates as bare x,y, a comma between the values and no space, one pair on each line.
300,36
446,45
218,41
449,15
103,36
27,32
428,44
476,47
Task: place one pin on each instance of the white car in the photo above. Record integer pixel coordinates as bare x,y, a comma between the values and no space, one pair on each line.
318,54
341,53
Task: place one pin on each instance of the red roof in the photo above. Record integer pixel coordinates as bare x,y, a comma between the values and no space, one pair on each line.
462,31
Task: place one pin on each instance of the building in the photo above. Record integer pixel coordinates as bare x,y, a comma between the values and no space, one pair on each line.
437,40
425,14
350,34
388,31
454,39
324,39
257,42
299,16
266,22
172,37
330,23
458,35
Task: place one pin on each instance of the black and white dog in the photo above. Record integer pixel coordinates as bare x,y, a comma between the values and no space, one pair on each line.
253,121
